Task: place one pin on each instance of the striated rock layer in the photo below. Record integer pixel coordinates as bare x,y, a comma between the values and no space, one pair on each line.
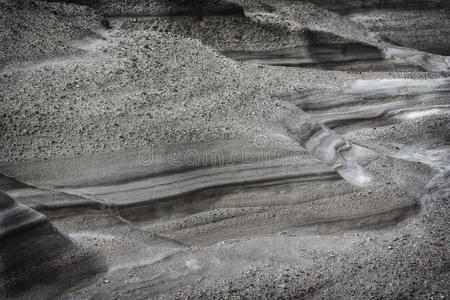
17,218
37,260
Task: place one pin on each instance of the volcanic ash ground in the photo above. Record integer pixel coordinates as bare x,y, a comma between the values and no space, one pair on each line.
224,149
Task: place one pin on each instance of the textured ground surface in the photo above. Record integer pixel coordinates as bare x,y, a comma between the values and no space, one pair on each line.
214,149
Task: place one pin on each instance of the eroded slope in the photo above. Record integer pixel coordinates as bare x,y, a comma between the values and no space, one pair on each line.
173,171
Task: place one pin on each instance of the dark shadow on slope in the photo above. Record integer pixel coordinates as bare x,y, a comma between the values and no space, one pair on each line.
351,6
136,8
35,259
317,53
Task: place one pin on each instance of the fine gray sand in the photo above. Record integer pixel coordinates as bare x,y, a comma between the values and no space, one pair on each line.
224,149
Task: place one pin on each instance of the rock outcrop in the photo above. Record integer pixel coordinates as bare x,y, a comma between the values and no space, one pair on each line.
35,259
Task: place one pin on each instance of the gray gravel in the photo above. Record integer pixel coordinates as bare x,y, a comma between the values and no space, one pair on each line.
74,86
